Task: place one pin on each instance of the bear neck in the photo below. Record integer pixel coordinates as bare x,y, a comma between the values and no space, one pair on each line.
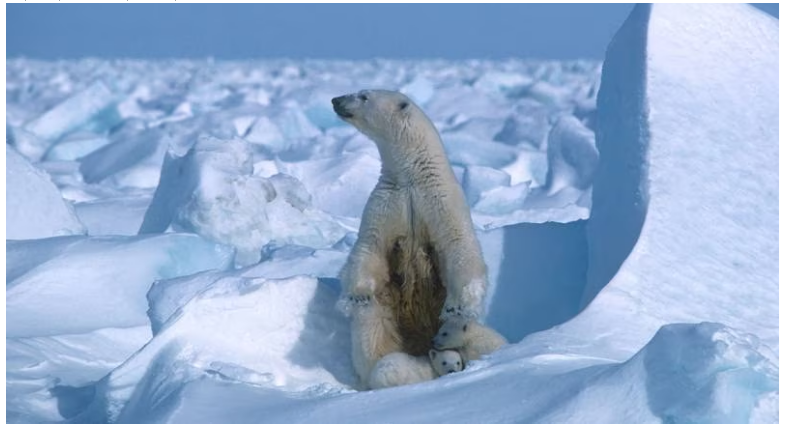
414,160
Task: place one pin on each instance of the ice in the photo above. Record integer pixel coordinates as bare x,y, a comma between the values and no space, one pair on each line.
85,284
465,150
338,185
494,82
572,156
211,190
264,132
113,216
121,154
34,207
26,143
528,166
420,90
75,146
291,124
480,128
477,179
73,112
502,199
529,124
462,101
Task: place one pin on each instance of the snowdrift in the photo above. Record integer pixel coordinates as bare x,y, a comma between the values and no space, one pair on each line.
630,234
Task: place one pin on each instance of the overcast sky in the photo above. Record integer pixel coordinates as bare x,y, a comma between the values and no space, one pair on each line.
348,31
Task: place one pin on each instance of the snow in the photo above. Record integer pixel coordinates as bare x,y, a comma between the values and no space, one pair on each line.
211,190
696,216
88,283
629,229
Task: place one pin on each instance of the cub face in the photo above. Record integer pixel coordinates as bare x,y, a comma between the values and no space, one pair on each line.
451,335
445,361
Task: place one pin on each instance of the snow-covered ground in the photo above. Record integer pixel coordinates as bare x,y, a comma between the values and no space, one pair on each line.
175,229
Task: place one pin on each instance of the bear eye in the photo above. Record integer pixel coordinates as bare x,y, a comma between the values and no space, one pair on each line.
363,97
444,363
444,334
403,105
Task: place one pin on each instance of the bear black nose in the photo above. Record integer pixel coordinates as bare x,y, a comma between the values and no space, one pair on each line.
450,371
339,106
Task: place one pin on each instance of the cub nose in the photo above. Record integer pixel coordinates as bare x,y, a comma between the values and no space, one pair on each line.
450,371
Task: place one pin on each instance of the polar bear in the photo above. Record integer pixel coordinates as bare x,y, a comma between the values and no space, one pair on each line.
417,260
398,369
469,337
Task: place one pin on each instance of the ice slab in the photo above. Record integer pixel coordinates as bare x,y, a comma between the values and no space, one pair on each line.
113,216
75,146
73,112
34,207
71,285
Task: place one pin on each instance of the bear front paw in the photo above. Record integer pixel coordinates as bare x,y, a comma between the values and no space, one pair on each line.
348,303
359,300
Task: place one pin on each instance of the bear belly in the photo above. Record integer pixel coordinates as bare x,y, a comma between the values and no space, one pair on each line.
415,292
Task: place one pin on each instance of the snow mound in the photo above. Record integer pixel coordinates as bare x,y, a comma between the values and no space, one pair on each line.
34,206
283,334
693,229
687,373
211,190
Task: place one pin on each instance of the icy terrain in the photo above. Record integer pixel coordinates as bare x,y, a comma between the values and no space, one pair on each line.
175,230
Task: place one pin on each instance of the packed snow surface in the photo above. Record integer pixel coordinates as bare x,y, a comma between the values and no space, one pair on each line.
175,231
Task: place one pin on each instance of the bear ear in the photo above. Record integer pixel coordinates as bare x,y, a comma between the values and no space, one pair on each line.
432,354
464,327
403,105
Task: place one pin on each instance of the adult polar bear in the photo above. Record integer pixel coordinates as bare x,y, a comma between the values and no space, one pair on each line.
417,260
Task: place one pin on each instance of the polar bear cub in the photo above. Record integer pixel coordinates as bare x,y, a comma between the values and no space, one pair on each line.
398,369
469,337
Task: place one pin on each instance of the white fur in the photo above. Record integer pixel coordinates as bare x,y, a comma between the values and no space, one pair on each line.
398,369
417,188
469,337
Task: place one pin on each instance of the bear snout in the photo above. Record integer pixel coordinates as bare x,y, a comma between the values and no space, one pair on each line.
339,106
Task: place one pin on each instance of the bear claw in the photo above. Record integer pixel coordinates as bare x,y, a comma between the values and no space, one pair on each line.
360,300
